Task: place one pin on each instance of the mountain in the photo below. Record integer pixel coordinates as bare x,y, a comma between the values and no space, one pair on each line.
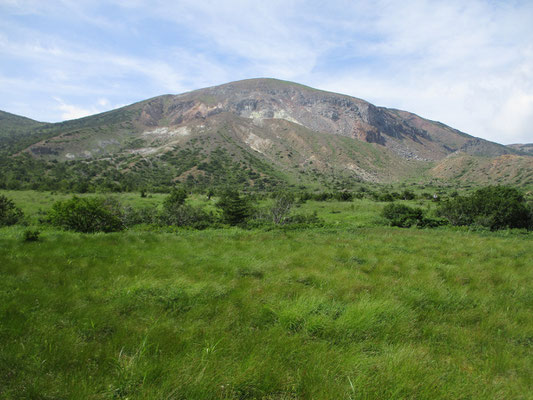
15,129
260,132
11,123
525,148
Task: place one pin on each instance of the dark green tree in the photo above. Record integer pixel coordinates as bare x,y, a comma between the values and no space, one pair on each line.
9,213
236,209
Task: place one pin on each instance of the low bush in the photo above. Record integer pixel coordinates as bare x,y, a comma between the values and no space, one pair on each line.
344,196
305,220
493,207
186,216
87,215
177,213
403,216
176,198
31,236
304,196
323,196
384,196
144,215
408,195
283,202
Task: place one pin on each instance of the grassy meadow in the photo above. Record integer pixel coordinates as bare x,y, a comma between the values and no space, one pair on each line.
350,310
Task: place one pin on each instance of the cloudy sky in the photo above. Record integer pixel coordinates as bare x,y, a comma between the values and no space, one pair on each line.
468,64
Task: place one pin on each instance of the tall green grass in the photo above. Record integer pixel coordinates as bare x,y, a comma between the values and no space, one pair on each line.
374,313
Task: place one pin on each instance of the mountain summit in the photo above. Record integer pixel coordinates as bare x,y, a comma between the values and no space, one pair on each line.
273,130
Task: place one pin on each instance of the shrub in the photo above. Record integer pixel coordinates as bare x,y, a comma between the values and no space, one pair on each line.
344,196
408,195
176,198
143,215
283,203
87,215
304,196
177,213
403,216
9,213
31,236
305,220
186,216
493,207
322,196
385,197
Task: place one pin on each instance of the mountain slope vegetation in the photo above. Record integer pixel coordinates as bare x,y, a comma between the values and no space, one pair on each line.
259,133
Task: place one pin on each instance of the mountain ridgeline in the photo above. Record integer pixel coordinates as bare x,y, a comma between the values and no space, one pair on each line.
259,133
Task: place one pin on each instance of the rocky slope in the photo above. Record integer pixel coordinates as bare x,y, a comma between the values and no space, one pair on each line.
265,126
523,147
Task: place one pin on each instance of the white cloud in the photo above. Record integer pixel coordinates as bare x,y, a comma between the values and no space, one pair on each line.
103,102
73,111
70,111
465,64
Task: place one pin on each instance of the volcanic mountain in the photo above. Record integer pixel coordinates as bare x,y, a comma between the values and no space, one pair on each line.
261,132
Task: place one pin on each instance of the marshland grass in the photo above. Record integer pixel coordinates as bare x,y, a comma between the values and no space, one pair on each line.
331,313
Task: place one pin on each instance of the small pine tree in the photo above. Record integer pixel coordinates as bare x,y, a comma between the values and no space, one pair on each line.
235,209
9,213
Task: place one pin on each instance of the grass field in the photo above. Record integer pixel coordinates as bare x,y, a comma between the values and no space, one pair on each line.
331,313
352,310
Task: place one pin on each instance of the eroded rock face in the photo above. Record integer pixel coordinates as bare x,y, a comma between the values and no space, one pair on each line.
319,111
408,135
291,127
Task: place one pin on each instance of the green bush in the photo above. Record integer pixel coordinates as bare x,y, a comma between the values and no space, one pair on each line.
322,196
384,196
176,198
408,195
403,216
9,213
143,215
493,207
344,196
304,221
304,196
281,208
177,213
31,236
87,215
186,216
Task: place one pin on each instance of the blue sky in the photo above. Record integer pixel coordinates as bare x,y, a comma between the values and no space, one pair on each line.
468,63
